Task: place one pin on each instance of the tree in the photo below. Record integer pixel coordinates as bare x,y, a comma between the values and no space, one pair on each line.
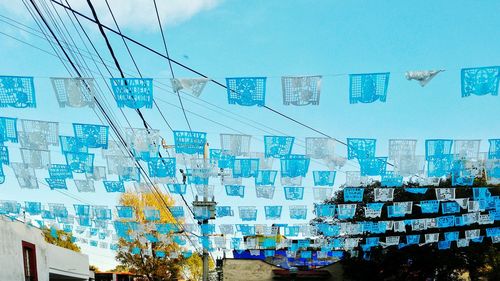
93,268
194,266
148,252
60,238
414,262
121,268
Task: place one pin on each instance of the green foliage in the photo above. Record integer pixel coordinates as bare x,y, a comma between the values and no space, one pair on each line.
146,263
121,268
63,239
150,266
479,261
93,268
194,266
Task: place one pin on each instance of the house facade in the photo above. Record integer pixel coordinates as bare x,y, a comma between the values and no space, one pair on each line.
24,255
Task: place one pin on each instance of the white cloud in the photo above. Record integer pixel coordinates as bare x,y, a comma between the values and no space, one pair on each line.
141,14
134,14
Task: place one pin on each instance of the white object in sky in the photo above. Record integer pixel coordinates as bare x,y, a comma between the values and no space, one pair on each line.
423,76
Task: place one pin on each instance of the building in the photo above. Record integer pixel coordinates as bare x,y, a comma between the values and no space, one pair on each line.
115,276
259,270
24,255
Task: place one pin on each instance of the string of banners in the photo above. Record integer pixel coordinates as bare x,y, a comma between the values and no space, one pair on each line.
37,152
37,141
472,215
19,91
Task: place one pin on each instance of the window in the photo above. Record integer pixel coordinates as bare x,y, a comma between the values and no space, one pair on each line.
29,259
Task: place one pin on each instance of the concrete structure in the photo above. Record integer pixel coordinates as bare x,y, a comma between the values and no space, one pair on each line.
24,252
114,276
258,270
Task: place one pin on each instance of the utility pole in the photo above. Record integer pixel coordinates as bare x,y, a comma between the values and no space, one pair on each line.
206,203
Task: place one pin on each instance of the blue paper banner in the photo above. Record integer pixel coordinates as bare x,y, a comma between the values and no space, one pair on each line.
177,188
114,186
190,142
265,177
246,91
92,136
273,212
294,166
235,190
360,148
8,130
161,167
245,167
278,146
324,178
480,81
17,91
133,92
368,88
294,192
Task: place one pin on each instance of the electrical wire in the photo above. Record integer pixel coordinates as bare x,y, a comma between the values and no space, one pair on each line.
190,69
220,110
97,102
154,101
169,63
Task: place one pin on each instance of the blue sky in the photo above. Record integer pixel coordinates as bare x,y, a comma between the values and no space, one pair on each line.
275,38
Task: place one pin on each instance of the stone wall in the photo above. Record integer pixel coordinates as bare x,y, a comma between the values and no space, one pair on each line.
257,270
247,270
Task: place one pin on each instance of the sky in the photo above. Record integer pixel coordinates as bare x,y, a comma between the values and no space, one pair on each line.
230,38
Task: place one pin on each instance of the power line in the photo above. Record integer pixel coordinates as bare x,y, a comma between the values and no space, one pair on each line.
166,102
63,63
197,98
248,124
102,110
170,64
156,105
110,48
102,26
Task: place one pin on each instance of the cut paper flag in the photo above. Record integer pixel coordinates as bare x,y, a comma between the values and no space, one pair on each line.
143,142
235,144
322,193
193,86
2,175
320,148
25,175
422,76
37,134
246,91
190,142
74,92
133,92
8,130
301,90
263,191
480,81
368,88
273,212
17,91
278,146
92,136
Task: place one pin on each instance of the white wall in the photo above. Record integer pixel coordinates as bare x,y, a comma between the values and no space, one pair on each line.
11,256
66,262
49,258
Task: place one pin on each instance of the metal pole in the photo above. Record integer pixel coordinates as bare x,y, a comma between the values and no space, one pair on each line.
205,265
205,199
